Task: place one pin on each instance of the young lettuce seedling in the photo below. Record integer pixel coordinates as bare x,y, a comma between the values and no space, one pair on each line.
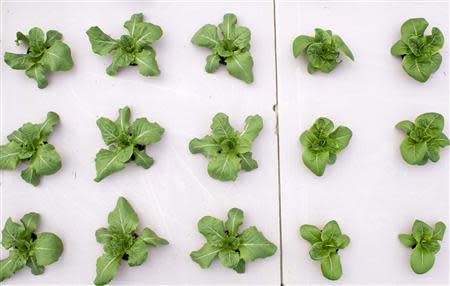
26,247
126,143
424,138
229,151
231,49
322,51
44,54
234,249
424,243
325,245
121,242
420,53
322,144
30,143
132,49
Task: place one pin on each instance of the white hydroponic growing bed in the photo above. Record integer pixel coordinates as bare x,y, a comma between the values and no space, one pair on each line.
370,191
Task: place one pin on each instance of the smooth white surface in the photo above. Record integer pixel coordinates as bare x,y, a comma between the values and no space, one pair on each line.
370,191
176,192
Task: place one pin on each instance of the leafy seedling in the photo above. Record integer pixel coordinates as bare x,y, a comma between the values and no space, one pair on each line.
322,51
26,247
420,53
325,245
126,143
231,49
45,53
424,243
322,144
234,249
133,49
30,143
229,151
121,242
424,138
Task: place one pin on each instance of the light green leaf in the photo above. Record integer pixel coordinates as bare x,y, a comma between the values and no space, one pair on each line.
340,44
439,230
21,37
421,260
131,24
120,59
421,231
331,231
421,68
400,49
316,162
435,42
247,162
123,121
433,153
101,43
123,219
221,127
300,44
18,61
442,140
150,237
342,241
138,253
331,267
110,131
253,126
9,155
340,137
207,146
111,161
35,268
30,221
406,126
234,221
212,63
307,139
228,26
46,128
206,37
142,159
322,127
146,61
310,233
212,229
322,36
51,37
12,233
240,268
229,258
432,123
146,34
107,266
25,134
240,66
30,176
413,27
320,250
103,235
58,57
38,73
242,36
205,255
224,167
145,132
46,161
407,240
413,152
10,265
47,248
254,245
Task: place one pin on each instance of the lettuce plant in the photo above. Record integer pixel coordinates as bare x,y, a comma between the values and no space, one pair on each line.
27,247
121,242
322,144
424,138
229,151
322,51
424,244
127,142
45,53
132,49
325,245
231,49
233,248
420,53
30,143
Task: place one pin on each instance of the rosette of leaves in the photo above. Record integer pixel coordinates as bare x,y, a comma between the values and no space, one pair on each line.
424,138
424,242
30,143
420,53
322,51
322,144
133,49
27,247
325,245
44,53
127,142
231,48
233,248
121,242
229,151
